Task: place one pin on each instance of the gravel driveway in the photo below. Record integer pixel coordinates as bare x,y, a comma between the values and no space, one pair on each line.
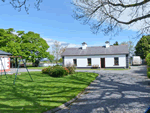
125,91
13,70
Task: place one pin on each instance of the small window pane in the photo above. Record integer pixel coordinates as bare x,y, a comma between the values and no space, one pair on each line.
75,62
116,61
89,61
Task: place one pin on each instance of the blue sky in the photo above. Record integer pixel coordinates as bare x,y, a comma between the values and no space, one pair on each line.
54,21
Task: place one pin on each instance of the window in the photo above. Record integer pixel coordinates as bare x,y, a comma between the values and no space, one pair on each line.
89,61
75,62
116,61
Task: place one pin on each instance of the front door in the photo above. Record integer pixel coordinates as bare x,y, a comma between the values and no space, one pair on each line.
102,62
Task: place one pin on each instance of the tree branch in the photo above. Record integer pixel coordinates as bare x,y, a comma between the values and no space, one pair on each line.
130,5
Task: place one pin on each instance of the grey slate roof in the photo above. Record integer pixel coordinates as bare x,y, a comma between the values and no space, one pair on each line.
97,50
4,53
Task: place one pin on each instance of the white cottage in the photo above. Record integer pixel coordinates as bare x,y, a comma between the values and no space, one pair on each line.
108,56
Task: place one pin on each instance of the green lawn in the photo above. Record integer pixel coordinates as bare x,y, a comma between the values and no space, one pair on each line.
43,94
36,67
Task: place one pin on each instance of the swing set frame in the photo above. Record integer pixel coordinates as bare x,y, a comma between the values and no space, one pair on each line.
17,67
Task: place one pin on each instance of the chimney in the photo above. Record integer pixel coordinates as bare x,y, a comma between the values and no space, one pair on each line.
84,45
107,44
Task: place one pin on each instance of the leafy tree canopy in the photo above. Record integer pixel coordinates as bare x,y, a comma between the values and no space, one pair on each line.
116,43
34,46
143,47
60,60
10,42
51,57
148,59
29,45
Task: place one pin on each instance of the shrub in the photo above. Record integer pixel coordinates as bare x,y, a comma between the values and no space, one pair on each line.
71,68
129,67
47,70
95,66
148,59
148,69
57,65
148,74
66,71
58,72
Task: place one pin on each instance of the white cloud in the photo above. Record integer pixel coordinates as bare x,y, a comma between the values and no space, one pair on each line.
50,42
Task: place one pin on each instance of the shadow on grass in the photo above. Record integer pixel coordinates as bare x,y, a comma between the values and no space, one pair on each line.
43,94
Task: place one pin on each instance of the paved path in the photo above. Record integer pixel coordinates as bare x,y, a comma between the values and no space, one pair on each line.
13,70
125,91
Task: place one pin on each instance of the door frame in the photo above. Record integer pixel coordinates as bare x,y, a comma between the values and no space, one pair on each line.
103,62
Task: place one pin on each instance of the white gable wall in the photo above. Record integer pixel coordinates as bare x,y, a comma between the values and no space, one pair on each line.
109,60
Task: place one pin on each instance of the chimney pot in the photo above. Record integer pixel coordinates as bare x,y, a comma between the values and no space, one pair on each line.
84,45
107,44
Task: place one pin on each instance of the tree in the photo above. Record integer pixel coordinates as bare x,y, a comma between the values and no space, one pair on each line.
57,50
108,15
18,4
10,42
60,60
33,46
148,59
29,45
51,58
116,43
143,47
130,47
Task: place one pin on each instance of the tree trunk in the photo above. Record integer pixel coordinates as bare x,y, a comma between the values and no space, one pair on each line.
16,62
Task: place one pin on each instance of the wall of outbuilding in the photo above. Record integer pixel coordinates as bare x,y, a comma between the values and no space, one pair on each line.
5,64
95,60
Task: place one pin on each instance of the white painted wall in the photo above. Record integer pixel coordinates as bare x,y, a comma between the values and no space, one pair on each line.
5,63
109,60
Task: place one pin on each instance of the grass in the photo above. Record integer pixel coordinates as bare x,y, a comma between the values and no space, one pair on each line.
37,67
43,94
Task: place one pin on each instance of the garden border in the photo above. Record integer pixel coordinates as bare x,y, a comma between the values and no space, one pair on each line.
72,100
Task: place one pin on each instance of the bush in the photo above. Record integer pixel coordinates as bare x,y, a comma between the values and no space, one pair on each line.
67,71
148,74
148,59
148,69
129,67
95,66
71,68
56,71
46,70
57,65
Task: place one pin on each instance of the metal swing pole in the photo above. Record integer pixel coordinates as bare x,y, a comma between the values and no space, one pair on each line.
26,68
3,67
17,71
